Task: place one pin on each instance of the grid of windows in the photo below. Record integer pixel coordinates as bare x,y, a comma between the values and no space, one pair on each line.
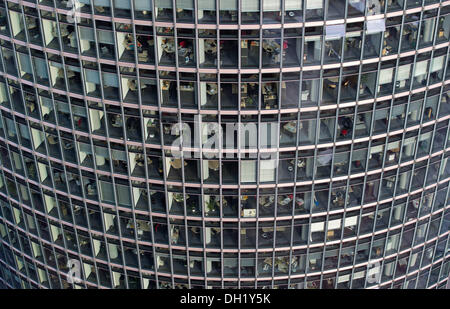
348,102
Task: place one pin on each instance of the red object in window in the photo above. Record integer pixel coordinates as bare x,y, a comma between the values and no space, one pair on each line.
285,44
182,43
344,132
79,122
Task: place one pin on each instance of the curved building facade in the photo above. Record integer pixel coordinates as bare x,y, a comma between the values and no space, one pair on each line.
224,143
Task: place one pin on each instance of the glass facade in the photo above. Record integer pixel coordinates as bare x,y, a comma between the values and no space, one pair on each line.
335,175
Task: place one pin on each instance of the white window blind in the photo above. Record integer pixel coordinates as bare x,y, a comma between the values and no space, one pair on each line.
46,102
421,68
376,149
357,4
110,80
359,155
314,4
334,31
317,227
426,136
267,170
227,5
403,72
248,171
381,114
105,3
206,5
359,275
78,110
272,5
163,4
409,141
122,4
92,76
344,278
118,155
438,64
392,242
101,151
292,5
375,26
73,68
351,221
340,158
56,64
41,67
185,4
143,5
334,224
24,131
394,145
353,34
84,148
386,76
25,64
86,34
105,37
312,38
324,157
123,195
62,107
250,6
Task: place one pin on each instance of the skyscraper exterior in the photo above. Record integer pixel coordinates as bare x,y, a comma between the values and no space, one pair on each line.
224,144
